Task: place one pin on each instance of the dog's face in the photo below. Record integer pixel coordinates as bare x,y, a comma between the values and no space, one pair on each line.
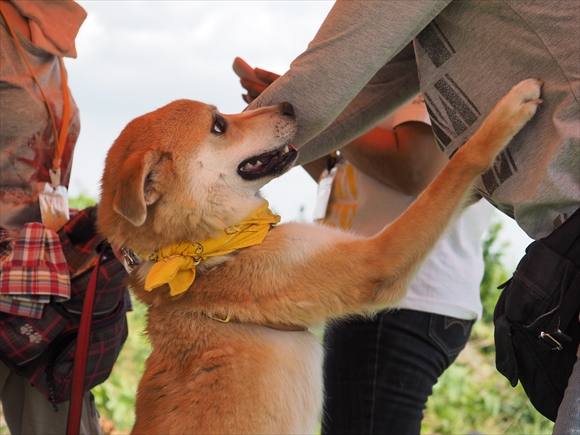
186,172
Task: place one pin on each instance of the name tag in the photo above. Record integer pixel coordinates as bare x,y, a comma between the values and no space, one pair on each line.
53,205
323,196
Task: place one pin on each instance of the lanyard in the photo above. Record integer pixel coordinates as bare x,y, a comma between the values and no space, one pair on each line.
59,138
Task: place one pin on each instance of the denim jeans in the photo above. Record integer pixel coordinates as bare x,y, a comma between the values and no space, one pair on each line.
378,374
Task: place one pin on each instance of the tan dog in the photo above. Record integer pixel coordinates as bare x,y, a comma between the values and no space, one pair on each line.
185,173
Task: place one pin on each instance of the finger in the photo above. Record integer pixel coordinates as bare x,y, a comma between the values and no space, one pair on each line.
245,71
254,89
253,94
266,76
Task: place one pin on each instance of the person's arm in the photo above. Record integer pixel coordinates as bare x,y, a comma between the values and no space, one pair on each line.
255,81
406,158
346,62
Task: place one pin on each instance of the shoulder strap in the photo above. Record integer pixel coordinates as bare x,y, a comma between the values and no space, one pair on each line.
80,362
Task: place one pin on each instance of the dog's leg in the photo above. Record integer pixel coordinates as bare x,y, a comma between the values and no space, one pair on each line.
408,240
308,274
374,273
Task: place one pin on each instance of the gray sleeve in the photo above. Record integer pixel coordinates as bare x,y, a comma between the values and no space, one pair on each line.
391,87
346,63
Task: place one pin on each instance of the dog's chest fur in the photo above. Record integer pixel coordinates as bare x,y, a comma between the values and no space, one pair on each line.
253,377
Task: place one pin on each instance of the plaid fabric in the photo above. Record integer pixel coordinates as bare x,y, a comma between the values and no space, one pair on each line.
52,373
42,349
33,270
80,242
22,339
21,308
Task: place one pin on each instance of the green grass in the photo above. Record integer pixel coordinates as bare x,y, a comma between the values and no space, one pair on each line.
115,398
473,397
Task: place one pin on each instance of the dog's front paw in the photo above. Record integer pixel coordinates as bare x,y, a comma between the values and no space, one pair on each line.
505,120
509,116
518,106
523,100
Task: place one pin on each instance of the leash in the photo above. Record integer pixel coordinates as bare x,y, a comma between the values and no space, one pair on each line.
81,355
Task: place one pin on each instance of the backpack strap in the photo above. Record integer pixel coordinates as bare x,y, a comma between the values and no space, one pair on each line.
80,362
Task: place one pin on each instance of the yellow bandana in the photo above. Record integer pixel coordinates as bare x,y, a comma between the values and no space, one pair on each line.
175,264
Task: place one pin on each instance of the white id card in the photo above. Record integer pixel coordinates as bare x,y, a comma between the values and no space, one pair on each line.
324,189
53,205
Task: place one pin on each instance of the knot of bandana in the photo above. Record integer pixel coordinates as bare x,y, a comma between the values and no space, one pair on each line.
175,264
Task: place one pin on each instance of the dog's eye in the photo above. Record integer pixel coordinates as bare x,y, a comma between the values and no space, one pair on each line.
219,126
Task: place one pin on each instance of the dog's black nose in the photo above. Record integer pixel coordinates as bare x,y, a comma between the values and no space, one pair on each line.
287,109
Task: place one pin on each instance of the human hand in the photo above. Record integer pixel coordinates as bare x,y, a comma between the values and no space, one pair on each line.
254,80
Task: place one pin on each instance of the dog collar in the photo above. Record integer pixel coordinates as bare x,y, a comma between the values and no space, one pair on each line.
132,260
176,264
278,326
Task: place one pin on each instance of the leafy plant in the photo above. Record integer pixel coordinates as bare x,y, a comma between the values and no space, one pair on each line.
82,201
115,398
473,397
494,273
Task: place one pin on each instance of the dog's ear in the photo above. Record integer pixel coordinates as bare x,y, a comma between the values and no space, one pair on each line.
135,190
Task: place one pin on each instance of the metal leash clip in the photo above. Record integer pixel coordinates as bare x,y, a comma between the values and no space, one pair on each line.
132,260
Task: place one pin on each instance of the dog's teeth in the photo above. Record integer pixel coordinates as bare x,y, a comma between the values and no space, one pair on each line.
248,166
258,163
286,149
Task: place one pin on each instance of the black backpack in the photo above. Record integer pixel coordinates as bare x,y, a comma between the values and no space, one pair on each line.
537,327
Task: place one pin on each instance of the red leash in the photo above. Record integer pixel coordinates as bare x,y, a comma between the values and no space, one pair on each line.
80,362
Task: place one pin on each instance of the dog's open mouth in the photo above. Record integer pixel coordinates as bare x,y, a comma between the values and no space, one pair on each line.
272,163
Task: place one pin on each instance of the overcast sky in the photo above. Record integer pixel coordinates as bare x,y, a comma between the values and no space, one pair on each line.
136,56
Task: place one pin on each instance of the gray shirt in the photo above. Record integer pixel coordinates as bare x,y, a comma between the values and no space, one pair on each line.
369,58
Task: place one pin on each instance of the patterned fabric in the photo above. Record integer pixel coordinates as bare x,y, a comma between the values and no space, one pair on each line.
42,349
79,241
80,244
33,269
22,339
51,374
21,308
